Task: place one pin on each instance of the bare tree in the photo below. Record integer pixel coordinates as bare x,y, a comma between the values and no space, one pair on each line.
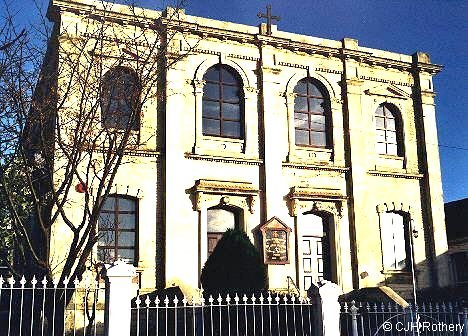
69,115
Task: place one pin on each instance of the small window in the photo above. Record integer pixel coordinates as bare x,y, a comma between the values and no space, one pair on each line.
117,229
223,105
120,99
389,135
312,120
395,242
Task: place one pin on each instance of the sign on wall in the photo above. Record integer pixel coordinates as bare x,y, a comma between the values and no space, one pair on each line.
275,242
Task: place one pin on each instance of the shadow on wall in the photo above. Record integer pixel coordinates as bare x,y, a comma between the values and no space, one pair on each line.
401,282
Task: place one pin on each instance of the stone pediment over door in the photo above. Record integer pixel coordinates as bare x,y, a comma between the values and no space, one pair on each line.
319,199
241,194
390,91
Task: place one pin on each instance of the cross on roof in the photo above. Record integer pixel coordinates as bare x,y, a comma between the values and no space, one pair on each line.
269,18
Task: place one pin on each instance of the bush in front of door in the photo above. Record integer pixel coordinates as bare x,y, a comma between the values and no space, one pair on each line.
235,266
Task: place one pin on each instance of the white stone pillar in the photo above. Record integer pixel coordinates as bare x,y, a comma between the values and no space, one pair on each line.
329,293
119,293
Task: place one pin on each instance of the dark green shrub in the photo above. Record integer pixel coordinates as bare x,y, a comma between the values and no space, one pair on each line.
234,266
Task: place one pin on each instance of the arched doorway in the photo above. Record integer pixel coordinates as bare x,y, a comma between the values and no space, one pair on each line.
316,252
220,219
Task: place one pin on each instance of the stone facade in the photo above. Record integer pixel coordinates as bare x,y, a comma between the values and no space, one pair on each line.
181,172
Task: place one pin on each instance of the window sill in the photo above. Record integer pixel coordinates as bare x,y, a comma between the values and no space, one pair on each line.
310,154
212,145
391,157
390,162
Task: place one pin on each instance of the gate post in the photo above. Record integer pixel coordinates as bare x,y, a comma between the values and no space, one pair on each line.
119,293
329,294
354,312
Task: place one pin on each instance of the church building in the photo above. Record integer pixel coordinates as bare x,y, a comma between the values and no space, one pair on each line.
323,152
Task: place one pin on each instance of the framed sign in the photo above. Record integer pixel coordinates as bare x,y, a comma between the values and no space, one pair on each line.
275,242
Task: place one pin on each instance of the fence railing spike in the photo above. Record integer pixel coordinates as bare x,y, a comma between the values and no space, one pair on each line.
277,298
11,281
253,298
166,301
220,299
184,300
236,299
244,298
176,300
33,282
345,307
228,298
138,301
157,301
23,281
210,299
285,299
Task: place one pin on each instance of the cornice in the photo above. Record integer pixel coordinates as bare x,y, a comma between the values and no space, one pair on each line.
93,12
381,80
404,175
260,40
315,167
428,67
225,187
133,152
223,159
302,193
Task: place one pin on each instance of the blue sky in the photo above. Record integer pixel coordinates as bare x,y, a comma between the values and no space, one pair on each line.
439,28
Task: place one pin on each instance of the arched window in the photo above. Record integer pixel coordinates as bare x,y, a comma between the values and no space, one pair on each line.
312,115
395,241
120,99
388,130
117,228
219,220
223,103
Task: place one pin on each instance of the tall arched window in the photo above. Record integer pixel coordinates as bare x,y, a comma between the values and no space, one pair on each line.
117,228
312,115
219,220
388,130
223,103
120,99
395,241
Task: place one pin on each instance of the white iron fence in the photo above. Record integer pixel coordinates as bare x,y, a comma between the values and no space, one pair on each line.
43,308
388,319
254,315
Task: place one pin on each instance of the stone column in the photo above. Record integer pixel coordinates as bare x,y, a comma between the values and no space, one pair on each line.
119,293
272,106
355,153
198,95
432,201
